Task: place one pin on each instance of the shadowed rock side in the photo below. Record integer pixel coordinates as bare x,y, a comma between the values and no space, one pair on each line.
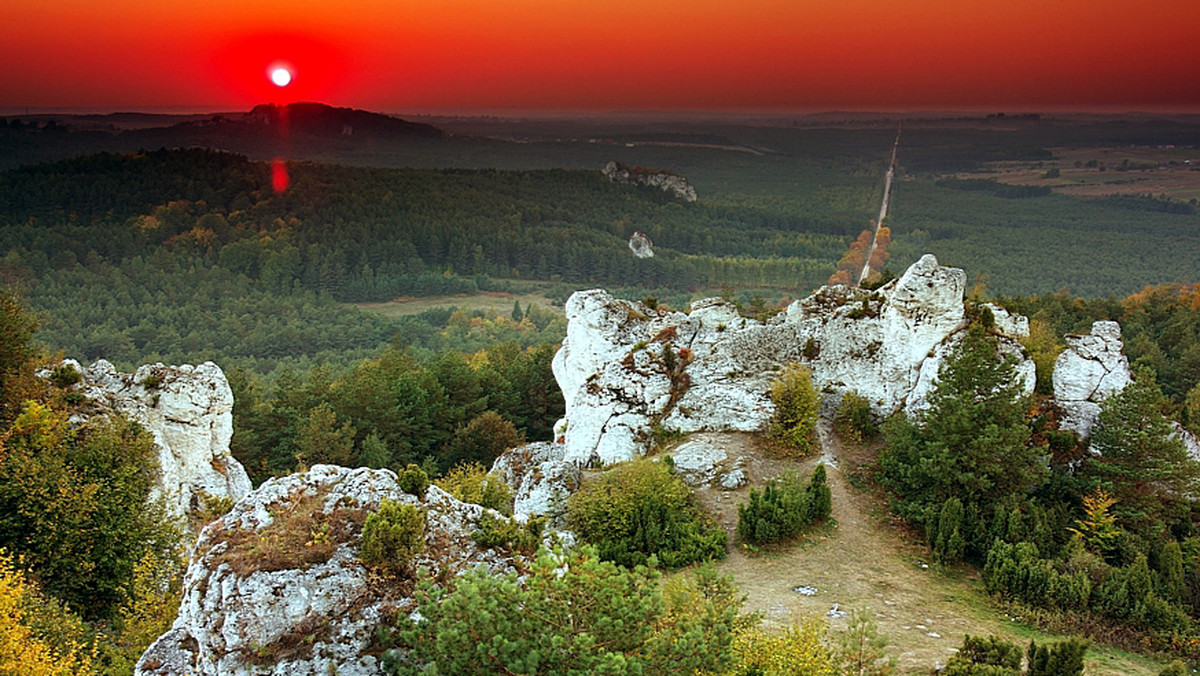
625,368
189,410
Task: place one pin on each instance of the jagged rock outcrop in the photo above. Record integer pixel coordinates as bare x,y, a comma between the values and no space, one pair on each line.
641,246
540,479
703,460
189,410
1088,371
625,368
251,607
667,181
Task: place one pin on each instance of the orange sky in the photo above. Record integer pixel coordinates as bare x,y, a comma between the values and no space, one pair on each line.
606,55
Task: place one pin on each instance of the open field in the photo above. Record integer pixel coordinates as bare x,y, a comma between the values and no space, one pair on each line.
1091,172
863,560
499,302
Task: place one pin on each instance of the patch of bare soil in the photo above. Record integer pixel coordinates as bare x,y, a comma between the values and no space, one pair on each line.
862,560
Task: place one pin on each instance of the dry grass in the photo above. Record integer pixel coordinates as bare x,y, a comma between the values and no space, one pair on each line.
1159,176
866,561
301,536
498,302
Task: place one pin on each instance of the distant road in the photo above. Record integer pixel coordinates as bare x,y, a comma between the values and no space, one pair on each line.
883,208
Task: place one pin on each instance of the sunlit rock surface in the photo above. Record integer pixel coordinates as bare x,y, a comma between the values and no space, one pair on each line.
1089,370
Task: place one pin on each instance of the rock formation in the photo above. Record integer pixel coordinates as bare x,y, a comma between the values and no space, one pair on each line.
540,479
625,368
189,410
250,609
641,246
1088,371
667,181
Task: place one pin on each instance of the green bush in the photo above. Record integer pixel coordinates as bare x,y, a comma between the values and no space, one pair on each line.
1064,658
65,376
640,509
784,508
470,482
414,481
392,537
854,419
989,656
796,405
510,534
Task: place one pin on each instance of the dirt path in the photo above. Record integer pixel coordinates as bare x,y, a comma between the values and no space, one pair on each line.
862,561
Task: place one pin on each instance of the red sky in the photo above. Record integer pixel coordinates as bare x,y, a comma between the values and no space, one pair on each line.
397,55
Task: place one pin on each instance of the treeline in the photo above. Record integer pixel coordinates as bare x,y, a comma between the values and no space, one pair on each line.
395,410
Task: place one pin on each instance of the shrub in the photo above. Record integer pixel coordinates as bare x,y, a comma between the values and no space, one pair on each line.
392,537
1175,668
798,649
989,656
796,405
640,509
414,481
784,508
1060,659
944,533
470,482
510,534
482,440
854,419
65,376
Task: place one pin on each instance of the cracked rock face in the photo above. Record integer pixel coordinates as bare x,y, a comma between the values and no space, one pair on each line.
243,614
625,368
189,410
541,480
1089,370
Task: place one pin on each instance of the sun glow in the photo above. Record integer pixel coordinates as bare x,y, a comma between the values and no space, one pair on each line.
280,76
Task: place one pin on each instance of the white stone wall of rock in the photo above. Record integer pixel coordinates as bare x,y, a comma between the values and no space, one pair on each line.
231,616
886,344
1089,370
189,411
540,479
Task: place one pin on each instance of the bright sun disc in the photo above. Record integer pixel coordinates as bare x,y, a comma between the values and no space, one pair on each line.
282,77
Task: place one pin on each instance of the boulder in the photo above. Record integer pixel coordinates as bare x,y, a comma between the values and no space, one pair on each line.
276,586
641,246
189,411
1089,370
540,479
625,368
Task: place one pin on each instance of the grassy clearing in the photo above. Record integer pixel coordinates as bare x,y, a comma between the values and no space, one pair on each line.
864,560
489,301
1173,172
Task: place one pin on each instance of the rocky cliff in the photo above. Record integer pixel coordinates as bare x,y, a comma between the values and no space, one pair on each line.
276,586
625,368
1088,371
667,181
189,410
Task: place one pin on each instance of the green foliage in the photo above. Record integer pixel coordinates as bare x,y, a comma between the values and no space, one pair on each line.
482,440
860,649
509,533
1064,658
16,351
65,375
784,508
73,504
1145,469
944,533
414,481
796,405
1175,668
578,615
1018,572
970,443
392,537
319,441
639,509
989,656
470,482
854,419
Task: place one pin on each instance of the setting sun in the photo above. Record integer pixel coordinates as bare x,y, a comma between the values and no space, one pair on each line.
281,76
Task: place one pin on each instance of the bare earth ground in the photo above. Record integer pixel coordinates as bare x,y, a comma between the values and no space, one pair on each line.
1174,172
861,560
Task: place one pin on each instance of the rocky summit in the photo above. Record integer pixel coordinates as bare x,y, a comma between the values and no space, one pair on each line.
626,369
667,181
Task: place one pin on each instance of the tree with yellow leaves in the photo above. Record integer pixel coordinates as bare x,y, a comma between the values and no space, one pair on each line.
22,653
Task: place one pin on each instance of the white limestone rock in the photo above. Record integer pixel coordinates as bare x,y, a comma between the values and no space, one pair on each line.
698,460
641,246
242,616
189,411
540,479
667,181
1089,370
887,345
